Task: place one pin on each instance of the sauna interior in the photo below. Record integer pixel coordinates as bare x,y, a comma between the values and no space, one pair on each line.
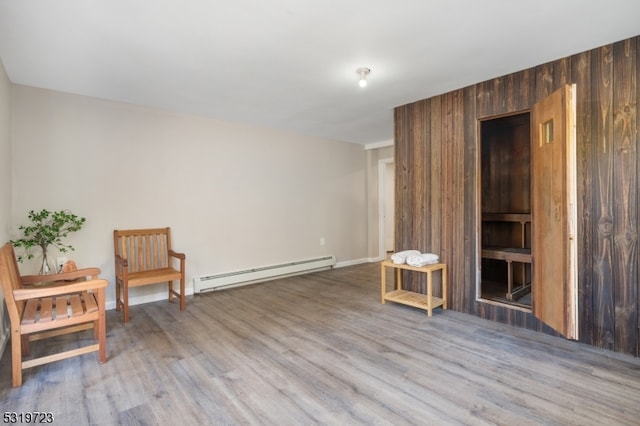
505,193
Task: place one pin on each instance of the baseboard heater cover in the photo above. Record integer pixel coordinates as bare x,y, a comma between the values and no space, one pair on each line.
260,274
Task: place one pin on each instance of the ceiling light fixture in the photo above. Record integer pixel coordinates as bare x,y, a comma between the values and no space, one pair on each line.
363,72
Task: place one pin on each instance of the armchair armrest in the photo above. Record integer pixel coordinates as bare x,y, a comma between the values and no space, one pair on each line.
121,261
177,255
68,288
67,276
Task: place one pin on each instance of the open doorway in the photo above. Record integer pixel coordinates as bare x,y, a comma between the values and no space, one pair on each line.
386,207
505,174
527,174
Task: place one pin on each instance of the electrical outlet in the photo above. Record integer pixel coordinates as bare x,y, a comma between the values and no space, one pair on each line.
322,241
59,262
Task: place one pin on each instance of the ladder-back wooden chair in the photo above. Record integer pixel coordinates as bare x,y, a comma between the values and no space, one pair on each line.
145,256
65,303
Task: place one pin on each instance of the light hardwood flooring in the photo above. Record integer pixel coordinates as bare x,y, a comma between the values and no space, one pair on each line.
322,349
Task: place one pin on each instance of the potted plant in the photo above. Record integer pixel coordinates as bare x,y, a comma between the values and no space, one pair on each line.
47,229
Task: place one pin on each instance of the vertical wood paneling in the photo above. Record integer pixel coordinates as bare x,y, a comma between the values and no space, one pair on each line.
490,101
446,182
443,132
551,76
581,70
435,177
452,184
519,90
466,290
426,175
625,188
603,324
421,167
412,196
637,144
459,248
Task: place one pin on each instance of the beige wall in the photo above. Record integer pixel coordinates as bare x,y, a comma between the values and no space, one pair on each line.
5,181
235,196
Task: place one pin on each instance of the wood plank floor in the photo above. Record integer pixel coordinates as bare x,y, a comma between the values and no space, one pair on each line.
322,349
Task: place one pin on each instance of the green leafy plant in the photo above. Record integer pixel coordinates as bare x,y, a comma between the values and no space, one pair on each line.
47,229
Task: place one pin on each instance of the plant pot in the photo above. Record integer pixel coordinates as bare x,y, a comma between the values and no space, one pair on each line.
45,266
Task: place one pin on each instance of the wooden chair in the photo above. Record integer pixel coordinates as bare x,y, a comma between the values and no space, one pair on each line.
66,303
144,256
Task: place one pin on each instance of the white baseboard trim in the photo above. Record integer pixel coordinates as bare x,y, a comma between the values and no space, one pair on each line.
147,298
351,262
162,295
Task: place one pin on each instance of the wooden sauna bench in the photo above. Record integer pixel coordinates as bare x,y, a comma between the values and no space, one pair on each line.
520,254
417,300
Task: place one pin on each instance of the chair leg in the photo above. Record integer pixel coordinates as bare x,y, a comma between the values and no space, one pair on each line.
118,291
170,288
16,357
125,302
101,328
182,298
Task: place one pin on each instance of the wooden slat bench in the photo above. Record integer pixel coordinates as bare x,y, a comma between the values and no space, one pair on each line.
509,255
519,254
145,256
44,306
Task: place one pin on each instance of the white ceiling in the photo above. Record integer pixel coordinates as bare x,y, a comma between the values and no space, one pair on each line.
291,64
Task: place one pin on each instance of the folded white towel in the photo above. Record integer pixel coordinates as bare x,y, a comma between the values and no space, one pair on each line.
401,257
423,259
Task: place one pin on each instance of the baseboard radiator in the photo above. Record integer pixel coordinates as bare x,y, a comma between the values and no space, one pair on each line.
260,274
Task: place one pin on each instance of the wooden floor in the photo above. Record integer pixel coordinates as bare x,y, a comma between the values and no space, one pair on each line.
322,349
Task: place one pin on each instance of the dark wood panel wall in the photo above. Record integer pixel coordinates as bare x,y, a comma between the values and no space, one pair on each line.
437,186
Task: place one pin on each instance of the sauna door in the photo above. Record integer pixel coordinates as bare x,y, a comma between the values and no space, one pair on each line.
554,250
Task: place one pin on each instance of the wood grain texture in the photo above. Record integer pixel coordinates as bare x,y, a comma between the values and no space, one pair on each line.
581,69
465,296
322,349
625,186
602,80
435,178
638,198
607,170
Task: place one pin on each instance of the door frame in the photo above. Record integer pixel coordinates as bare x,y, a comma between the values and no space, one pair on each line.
382,176
570,329
478,212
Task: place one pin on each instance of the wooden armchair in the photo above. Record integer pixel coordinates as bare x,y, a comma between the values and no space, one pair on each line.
66,303
145,256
